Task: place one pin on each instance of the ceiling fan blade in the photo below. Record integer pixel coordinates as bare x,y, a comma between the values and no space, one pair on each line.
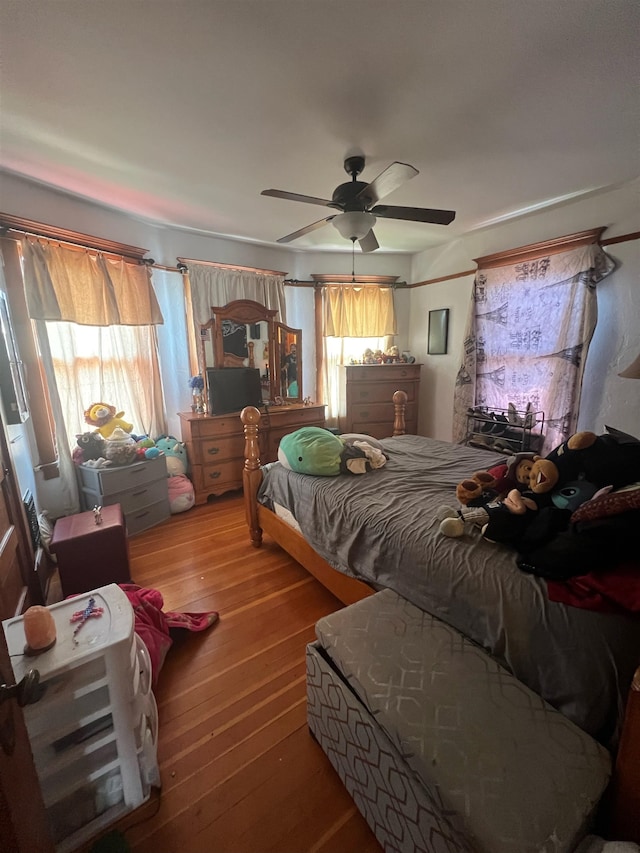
415,214
387,181
309,199
368,243
306,230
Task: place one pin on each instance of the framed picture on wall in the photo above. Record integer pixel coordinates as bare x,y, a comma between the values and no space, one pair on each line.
438,331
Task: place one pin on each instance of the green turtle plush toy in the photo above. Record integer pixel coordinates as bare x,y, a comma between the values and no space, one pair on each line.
316,451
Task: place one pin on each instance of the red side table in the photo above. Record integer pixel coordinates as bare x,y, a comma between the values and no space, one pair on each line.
89,554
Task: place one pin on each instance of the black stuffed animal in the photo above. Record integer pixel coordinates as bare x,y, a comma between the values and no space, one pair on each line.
568,537
92,445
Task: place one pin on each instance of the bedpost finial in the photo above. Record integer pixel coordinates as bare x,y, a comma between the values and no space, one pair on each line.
250,415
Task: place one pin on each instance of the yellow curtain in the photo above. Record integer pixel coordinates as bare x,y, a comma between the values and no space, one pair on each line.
87,288
356,311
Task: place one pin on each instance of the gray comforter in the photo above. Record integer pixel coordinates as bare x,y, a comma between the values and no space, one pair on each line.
381,527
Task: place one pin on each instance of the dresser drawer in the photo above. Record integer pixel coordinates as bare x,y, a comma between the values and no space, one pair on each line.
381,429
141,496
363,412
379,392
289,419
110,481
376,429
220,449
382,372
213,427
221,474
147,516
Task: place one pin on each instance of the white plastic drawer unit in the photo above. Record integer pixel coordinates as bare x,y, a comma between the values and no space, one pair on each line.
94,731
114,479
141,489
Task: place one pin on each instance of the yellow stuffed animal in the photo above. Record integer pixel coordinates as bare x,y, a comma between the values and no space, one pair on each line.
105,419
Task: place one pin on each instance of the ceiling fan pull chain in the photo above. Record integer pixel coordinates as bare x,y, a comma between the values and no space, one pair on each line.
353,262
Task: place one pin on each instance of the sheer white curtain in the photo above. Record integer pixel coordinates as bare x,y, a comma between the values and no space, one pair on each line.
527,338
173,347
213,286
111,364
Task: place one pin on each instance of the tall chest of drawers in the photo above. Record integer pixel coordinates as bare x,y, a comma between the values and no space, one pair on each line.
367,397
215,444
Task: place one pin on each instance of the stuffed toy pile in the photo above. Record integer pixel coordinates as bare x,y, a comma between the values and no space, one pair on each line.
112,444
181,491
578,513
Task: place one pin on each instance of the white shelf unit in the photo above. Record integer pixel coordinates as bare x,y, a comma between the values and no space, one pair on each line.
94,731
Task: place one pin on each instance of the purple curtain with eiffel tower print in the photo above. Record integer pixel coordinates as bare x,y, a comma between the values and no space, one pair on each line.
526,344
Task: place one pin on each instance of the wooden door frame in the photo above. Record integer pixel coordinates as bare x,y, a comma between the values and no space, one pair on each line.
24,827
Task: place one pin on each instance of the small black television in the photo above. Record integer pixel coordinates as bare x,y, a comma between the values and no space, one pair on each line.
232,388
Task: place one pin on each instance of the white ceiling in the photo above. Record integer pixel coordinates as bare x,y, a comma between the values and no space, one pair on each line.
182,111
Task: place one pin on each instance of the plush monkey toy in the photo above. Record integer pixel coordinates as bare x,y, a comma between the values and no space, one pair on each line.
501,520
497,481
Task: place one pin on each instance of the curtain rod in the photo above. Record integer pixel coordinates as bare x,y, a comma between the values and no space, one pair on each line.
184,261
14,234
16,225
364,282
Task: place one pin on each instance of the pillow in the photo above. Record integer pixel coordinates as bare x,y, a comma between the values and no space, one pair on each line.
613,503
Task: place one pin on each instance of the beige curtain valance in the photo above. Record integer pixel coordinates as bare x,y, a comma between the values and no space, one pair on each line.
352,311
216,285
87,288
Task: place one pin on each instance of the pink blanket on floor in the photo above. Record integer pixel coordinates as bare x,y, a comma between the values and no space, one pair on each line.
154,626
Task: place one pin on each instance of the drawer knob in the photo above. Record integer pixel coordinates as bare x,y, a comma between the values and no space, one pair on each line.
214,475
141,492
212,451
364,414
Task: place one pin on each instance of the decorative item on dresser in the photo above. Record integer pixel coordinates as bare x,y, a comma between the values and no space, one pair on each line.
141,489
215,443
366,392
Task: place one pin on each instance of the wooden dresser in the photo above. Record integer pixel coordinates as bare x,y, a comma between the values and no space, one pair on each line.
366,397
215,444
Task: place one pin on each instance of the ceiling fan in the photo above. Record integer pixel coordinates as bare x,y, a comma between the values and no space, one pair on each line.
358,203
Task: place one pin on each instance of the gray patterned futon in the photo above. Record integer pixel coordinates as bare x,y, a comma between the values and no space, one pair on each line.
440,747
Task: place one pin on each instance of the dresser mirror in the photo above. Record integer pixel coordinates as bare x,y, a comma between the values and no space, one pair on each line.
245,334
289,363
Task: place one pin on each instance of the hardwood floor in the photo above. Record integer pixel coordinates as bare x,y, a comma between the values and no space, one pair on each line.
240,771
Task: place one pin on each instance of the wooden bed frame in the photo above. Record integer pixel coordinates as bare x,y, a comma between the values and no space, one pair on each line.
619,817
261,519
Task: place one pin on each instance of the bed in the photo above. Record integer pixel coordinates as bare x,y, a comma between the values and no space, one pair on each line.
360,534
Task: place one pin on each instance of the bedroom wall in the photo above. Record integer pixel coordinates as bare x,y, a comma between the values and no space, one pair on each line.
43,204
606,398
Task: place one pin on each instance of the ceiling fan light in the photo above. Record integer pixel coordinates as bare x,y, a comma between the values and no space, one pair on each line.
355,224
